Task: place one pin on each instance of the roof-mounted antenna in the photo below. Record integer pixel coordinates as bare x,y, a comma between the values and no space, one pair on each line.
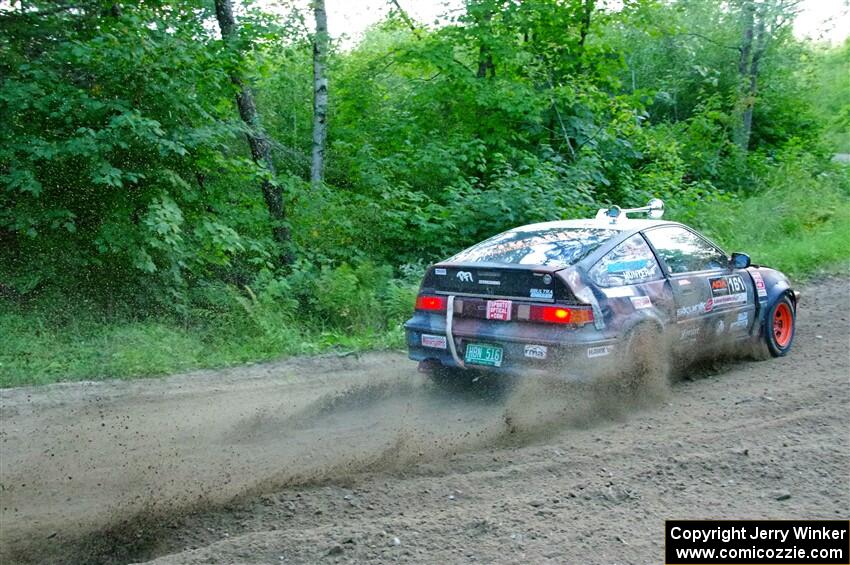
654,209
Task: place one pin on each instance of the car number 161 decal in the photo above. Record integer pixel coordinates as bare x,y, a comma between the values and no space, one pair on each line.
728,290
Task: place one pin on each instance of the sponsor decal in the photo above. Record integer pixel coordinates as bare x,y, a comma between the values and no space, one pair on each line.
741,323
641,302
491,283
440,271
631,270
731,299
619,291
684,282
760,288
623,266
728,290
436,341
536,351
499,310
709,305
740,298
541,293
720,328
464,276
689,333
694,309
547,279
600,351
637,275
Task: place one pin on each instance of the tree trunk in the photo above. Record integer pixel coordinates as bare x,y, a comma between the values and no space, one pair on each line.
485,63
485,56
752,85
741,133
320,93
586,13
258,141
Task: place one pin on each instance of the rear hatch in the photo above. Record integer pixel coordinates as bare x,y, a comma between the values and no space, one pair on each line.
515,282
519,264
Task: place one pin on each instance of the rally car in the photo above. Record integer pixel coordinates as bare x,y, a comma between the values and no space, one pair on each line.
584,297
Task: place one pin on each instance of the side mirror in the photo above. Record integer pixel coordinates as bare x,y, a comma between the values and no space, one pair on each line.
739,261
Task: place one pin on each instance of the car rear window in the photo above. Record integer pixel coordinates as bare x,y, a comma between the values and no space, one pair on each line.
556,247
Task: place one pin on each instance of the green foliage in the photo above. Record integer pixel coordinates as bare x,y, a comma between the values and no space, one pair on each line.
134,239
113,157
798,222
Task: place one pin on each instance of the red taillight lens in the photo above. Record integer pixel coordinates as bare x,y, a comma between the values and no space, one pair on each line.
431,303
561,315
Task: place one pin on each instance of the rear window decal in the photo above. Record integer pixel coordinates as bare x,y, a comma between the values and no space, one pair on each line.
624,266
630,262
545,293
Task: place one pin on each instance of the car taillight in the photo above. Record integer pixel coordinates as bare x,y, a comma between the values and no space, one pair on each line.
561,315
430,303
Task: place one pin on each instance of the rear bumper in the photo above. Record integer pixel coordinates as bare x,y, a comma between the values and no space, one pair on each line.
578,354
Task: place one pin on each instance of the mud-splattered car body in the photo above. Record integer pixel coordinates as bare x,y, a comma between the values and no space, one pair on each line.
568,294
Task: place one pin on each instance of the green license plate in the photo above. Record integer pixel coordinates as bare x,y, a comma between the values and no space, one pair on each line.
483,354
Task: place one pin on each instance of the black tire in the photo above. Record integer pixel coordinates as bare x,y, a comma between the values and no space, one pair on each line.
646,363
774,340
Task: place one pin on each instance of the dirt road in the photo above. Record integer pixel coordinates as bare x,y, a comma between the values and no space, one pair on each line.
341,459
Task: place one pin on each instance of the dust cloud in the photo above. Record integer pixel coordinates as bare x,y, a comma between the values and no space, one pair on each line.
83,464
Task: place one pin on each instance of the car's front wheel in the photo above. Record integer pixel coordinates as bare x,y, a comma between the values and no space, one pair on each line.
778,330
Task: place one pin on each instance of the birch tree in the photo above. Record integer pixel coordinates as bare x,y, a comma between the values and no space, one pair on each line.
320,93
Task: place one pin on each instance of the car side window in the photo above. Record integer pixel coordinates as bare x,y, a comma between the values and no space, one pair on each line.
631,262
684,251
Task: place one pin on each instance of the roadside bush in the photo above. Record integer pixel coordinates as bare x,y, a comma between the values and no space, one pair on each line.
798,221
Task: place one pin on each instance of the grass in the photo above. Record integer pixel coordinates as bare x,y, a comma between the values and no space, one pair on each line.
35,351
800,225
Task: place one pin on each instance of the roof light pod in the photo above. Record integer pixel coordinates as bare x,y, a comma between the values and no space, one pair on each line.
654,209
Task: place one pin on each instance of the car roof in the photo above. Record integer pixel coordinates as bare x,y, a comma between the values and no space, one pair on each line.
625,227
622,224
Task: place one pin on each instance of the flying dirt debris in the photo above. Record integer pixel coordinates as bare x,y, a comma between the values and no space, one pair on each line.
295,459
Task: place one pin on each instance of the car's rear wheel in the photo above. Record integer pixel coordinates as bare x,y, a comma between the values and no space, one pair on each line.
778,331
646,363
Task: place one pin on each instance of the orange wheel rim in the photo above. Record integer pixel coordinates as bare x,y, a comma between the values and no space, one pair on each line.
783,325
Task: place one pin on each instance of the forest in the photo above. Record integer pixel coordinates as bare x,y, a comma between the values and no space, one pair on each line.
200,183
